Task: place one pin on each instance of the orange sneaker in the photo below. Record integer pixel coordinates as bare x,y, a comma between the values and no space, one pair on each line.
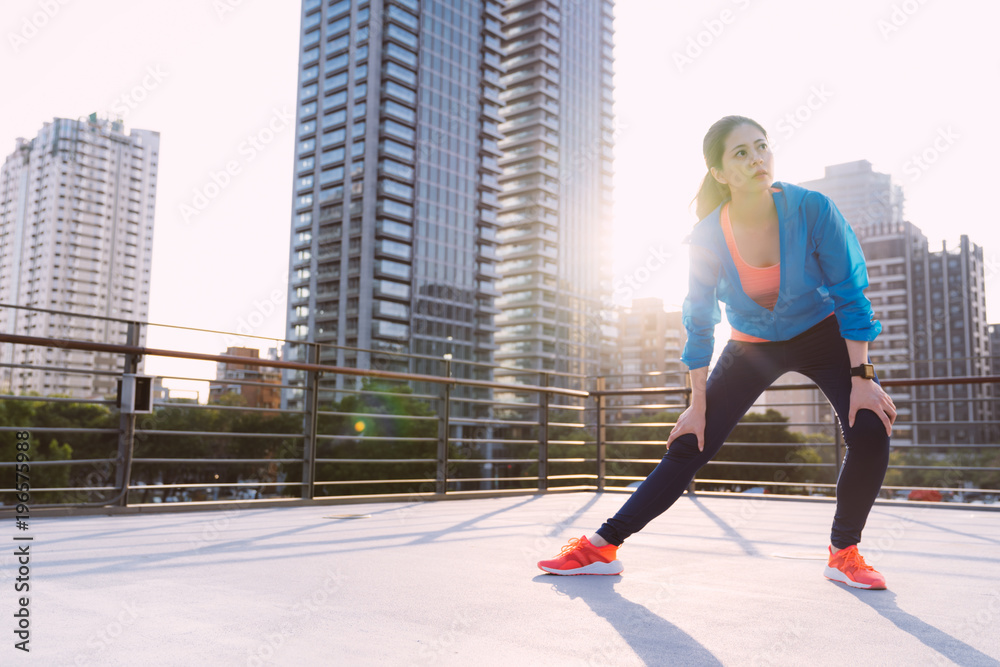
848,567
579,556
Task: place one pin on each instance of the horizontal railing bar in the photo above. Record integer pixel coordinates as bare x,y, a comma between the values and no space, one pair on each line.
61,369
342,482
209,485
66,462
429,461
944,445
58,429
743,482
945,467
734,444
766,464
736,463
486,401
371,392
641,391
375,438
637,442
57,399
573,460
493,461
457,480
216,406
663,406
375,414
36,490
505,441
270,363
571,442
950,422
190,460
581,475
220,434
940,488
568,424
475,420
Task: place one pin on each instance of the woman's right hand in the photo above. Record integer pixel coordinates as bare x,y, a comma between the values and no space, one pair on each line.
691,420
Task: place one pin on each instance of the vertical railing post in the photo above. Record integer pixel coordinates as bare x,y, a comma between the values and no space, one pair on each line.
444,429
600,434
126,419
543,434
310,424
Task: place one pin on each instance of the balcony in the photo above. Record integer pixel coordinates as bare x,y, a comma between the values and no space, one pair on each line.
281,572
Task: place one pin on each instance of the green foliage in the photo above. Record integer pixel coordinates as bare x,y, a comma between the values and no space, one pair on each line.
384,425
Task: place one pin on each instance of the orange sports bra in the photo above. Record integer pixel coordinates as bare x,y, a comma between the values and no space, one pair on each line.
760,283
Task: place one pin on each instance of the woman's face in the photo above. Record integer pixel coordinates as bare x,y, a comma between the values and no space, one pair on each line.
747,161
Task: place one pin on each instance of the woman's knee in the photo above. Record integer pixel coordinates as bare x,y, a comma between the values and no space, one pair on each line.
685,448
868,434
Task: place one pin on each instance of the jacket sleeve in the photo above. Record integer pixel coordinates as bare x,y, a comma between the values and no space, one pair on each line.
846,275
701,312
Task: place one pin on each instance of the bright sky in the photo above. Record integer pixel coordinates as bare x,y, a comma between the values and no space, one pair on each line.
883,80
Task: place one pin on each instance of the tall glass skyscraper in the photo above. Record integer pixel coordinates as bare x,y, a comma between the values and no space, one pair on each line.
396,180
556,204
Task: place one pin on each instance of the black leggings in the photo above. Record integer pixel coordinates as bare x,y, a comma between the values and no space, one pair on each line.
743,372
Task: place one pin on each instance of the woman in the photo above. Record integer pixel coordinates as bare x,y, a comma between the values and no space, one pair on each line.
791,273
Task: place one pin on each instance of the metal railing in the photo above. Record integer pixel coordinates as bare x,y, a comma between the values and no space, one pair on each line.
370,433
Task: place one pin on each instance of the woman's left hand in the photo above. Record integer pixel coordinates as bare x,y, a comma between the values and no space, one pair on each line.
869,395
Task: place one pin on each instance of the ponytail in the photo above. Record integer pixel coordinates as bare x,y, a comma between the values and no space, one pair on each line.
712,193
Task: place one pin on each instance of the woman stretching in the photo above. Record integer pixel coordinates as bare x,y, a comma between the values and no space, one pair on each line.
791,273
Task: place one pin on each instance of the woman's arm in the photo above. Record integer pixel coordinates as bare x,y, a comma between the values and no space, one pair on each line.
692,420
868,394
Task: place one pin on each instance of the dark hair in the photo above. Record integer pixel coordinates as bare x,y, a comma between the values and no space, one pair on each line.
712,193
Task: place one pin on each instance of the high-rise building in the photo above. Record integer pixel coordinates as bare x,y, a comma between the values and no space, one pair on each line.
396,182
951,339
932,306
556,204
76,238
650,343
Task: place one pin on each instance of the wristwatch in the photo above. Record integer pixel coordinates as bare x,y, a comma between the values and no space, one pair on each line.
864,371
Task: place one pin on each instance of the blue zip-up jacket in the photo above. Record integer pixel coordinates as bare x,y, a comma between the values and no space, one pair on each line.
822,271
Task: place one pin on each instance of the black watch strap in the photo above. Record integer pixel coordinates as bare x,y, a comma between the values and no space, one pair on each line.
865,371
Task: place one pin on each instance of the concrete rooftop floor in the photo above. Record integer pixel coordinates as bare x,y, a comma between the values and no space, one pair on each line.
714,581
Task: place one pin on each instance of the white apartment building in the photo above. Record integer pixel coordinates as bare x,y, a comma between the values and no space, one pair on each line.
76,235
